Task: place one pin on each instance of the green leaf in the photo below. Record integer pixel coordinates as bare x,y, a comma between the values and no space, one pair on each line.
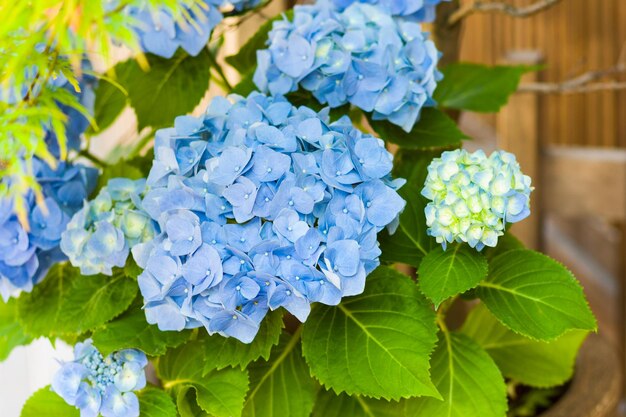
535,296
219,393
434,129
228,351
375,344
46,403
478,87
410,243
445,273
330,405
246,85
412,165
122,169
506,242
66,302
170,88
282,385
154,402
131,330
110,100
244,61
531,362
467,378
11,333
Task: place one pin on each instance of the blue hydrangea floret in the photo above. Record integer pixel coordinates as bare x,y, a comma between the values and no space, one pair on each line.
473,196
416,10
362,56
100,236
100,385
27,253
261,205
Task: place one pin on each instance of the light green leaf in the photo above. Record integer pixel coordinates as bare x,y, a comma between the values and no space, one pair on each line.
282,385
154,402
46,403
67,302
478,87
531,362
330,405
11,333
170,88
375,344
467,378
410,243
228,351
434,129
131,330
219,393
535,296
445,273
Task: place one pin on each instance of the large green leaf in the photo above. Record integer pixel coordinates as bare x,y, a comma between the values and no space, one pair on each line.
170,88
131,330
154,402
219,393
228,351
531,362
410,243
535,296
469,381
506,242
282,385
375,344
67,302
330,405
46,403
110,98
478,87
11,333
434,129
412,165
445,273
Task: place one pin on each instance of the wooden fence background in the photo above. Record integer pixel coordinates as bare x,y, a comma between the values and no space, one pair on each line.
574,36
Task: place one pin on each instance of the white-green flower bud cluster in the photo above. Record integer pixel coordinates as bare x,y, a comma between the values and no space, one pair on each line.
473,196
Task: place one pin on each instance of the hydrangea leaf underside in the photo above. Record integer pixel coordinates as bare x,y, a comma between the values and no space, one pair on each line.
376,344
445,273
66,302
11,333
231,352
154,402
536,363
410,243
434,129
46,403
131,330
535,296
282,385
468,380
220,393
478,87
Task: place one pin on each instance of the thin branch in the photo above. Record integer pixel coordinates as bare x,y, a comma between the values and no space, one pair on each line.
584,83
476,6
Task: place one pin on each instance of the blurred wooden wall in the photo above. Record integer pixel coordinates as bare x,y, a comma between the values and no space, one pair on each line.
574,36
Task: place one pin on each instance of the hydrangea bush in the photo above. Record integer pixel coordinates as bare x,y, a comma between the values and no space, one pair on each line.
243,262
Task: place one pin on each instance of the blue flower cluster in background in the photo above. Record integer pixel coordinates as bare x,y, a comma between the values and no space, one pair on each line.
261,205
27,255
161,33
100,236
362,56
416,10
102,386
473,196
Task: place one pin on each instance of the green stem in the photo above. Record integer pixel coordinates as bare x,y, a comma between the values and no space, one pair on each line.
442,311
93,158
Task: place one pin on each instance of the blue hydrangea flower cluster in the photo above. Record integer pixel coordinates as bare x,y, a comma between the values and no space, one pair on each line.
262,205
473,196
160,33
102,386
100,236
27,255
361,56
416,10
